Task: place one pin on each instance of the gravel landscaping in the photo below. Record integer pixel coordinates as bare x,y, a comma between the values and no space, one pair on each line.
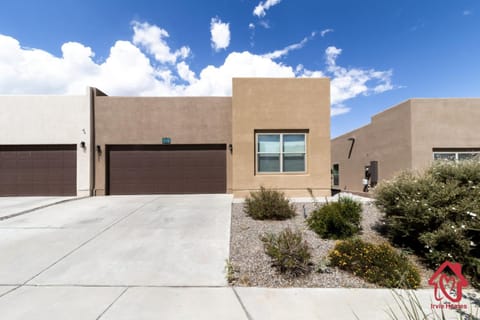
252,267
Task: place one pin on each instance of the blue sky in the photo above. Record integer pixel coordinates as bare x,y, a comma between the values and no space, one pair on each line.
377,53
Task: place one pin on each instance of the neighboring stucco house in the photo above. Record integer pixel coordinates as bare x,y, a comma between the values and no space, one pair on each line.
407,136
45,144
271,132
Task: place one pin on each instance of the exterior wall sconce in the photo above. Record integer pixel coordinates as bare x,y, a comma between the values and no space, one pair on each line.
99,149
230,147
83,145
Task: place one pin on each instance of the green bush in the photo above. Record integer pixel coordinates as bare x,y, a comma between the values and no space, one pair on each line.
448,244
379,264
268,204
436,213
290,254
337,220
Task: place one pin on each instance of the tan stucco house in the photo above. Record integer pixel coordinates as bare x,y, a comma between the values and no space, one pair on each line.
407,136
271,132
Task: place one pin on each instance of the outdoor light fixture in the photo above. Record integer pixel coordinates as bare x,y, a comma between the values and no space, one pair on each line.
99,149
82,144
230,147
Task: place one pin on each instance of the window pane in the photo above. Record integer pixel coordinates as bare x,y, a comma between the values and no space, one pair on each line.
294,143
294,162
467,156
336,174
269,143
269,163
444,156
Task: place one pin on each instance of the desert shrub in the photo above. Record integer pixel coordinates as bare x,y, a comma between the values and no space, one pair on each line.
268,204
375,263
336,220
436,213
446,243
290,254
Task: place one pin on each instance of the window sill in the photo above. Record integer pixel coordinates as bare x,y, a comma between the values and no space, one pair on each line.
282,174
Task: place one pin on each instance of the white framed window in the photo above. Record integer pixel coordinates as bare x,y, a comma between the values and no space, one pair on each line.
281,152
456,155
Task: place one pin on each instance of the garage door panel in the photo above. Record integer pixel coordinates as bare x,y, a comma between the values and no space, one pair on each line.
25,176
6,190
22,156
55,162
40,162
25,189
39,176
135,189
5,155
69,160
171,169
7,163
7,177
38,170
38,156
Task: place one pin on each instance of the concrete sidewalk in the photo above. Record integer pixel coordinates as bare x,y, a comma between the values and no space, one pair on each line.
74,302
334,303
14,206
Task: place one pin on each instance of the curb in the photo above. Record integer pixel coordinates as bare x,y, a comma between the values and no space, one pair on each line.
40,207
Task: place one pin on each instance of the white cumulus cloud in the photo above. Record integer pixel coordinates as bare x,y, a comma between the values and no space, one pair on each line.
129,70
338,109
153,39
185,73
220,34
217,81
261,9
347,83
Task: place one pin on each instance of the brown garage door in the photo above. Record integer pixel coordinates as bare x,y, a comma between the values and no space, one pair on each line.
40,170
166,169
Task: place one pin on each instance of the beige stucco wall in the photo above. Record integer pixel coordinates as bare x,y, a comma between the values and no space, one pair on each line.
443,123
281,104
31,120
145,120
387,139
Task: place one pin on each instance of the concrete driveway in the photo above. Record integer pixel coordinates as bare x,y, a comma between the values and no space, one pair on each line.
131,257
119,241
13,206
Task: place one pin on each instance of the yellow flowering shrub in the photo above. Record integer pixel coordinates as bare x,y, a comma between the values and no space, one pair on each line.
376,263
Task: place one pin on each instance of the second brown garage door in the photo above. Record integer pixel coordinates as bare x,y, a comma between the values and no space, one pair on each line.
166,169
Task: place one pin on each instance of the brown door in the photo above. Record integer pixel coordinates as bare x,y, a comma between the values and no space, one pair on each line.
40,170
166,169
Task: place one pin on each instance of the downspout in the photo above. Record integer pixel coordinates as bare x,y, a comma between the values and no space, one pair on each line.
92,141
